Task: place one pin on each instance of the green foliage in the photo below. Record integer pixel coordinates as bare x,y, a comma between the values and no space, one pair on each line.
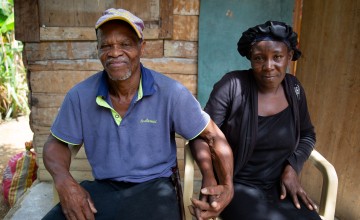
13,87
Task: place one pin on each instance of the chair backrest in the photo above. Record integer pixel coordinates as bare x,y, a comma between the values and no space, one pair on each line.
328,194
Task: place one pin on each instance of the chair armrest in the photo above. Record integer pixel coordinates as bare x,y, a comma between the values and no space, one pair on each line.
330,185
188,180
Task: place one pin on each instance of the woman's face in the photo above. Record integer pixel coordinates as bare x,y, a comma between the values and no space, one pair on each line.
269,61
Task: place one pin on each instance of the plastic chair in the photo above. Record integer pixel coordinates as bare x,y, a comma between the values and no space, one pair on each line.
328,195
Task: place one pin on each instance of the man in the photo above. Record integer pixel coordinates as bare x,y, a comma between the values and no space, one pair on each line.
126,116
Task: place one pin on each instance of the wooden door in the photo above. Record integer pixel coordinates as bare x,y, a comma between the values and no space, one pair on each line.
330,72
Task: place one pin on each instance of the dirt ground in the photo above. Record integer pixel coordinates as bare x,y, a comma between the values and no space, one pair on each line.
13,135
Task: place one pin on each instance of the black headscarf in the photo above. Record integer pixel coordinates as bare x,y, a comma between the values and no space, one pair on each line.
275,30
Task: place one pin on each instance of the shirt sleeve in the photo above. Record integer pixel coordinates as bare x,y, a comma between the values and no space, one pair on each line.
67,126
188,117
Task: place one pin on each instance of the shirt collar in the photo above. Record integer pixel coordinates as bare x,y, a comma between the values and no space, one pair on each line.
147,81
146,86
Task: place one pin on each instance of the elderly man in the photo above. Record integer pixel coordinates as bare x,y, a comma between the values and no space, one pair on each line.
126,116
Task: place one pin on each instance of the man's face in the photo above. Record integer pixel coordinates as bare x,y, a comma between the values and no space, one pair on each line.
269,61
119,50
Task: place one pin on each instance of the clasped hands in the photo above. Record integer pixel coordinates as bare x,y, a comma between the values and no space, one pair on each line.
213,200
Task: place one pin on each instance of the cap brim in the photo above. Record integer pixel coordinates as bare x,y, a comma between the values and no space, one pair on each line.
122,19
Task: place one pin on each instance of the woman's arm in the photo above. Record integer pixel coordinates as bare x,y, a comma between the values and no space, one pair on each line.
290,183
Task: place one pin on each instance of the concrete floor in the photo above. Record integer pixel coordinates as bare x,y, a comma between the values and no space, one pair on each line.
34,204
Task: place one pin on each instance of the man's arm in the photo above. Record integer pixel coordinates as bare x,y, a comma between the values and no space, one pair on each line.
75,200
212,152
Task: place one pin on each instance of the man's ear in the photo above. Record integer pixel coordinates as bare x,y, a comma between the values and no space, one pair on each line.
143,45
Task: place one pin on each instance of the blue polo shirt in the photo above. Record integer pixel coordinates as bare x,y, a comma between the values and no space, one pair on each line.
141,145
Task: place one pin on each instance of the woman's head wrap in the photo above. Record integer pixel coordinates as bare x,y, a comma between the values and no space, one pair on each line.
273,30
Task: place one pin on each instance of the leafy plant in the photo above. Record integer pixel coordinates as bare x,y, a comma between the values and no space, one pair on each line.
13,87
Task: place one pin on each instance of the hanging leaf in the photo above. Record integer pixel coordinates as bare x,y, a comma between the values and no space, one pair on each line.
8,24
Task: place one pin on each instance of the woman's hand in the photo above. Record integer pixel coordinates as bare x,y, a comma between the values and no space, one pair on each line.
290,184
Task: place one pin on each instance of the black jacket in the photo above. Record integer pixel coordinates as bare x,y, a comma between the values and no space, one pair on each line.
233,107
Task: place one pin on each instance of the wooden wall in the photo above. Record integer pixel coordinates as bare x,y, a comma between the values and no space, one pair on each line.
330,72
60,51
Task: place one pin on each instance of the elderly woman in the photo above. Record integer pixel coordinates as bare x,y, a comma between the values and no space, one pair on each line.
264,115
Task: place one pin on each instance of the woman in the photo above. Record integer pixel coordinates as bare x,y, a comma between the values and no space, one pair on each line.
264,115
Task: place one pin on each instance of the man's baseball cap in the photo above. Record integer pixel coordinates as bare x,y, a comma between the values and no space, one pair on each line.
120,14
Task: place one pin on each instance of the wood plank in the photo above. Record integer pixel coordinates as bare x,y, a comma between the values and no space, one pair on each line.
147,10
40,129
151,33
67,33
84,33
27,20
56,81
85,13
51,65
46,100
43,118
153,49
185,7
186,28
172,65
38,143
181,49
329,71
80,13
61,50
166,19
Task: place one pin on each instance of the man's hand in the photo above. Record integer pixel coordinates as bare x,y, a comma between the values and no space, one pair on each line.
213,200
290,184
75,200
